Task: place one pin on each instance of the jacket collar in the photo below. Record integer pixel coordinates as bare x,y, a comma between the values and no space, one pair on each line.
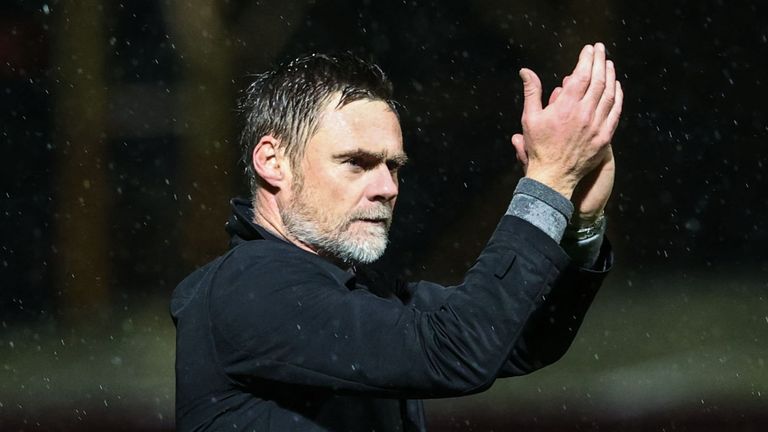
241,228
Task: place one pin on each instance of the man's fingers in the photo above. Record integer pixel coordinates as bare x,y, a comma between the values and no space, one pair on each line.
518,142
582,74
613,117
608,98
531,91
558,90
598,80
555,93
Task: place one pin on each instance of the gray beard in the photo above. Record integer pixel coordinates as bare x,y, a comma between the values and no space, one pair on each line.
337,242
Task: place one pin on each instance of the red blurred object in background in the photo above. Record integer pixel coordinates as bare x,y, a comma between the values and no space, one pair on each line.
23,45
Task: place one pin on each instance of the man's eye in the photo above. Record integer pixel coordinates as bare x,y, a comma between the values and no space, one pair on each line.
352,161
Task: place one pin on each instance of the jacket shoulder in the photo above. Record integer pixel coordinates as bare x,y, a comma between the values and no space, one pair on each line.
261,260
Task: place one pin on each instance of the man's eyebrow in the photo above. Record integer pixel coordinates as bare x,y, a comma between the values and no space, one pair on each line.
399,159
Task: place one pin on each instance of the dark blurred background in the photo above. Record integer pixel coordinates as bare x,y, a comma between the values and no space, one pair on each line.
119,128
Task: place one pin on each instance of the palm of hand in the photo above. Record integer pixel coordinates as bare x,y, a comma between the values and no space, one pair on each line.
591,195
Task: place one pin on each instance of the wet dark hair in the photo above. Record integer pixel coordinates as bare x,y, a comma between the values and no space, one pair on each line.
286,102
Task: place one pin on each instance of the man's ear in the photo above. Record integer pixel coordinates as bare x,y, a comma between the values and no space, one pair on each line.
269,162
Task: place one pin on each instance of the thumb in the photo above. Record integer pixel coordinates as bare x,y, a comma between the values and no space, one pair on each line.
518,142
531,90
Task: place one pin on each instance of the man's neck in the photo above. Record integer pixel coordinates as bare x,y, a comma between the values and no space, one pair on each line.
267,215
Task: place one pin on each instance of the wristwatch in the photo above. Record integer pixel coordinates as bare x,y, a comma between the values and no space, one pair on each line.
584,230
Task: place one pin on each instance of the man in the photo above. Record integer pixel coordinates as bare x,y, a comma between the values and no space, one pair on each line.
278,334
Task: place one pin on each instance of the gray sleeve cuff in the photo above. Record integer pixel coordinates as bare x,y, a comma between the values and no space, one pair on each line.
545,193
549,211
541,206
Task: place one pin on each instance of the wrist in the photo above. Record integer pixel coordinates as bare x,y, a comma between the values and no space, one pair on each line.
559,184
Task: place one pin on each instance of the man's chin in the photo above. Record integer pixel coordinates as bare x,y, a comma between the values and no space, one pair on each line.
364,249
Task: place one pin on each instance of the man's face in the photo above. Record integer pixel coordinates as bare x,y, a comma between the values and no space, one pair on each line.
342,207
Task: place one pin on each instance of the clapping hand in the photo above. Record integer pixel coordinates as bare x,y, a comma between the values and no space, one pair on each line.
567,144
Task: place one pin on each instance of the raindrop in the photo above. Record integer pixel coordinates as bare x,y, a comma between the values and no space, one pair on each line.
693,225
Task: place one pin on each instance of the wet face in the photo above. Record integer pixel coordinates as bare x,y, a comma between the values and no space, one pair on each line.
342,206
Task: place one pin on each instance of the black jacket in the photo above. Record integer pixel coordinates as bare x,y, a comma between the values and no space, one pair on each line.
273,338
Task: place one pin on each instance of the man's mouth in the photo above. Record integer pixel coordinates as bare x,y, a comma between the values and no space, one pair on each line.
377,216
381,221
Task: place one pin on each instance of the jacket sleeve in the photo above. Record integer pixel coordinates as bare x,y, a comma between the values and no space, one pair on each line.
294,323
552,327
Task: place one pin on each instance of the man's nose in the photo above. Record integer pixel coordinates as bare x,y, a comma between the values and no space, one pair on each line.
383,186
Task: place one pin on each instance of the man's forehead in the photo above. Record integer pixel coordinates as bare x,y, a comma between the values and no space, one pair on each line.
365,124
358,112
